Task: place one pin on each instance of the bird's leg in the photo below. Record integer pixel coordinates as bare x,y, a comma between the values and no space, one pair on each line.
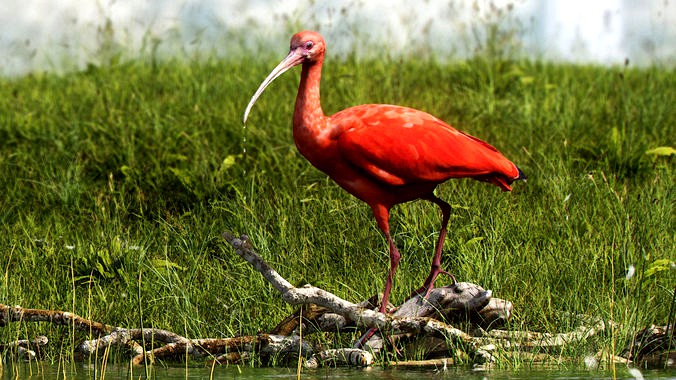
394,263
436,260
382,216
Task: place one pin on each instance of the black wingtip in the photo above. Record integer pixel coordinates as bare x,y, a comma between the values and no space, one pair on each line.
521,176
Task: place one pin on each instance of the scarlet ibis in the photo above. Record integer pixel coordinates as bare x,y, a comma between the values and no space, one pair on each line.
384,154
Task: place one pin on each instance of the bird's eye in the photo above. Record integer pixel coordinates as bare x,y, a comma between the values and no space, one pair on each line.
309,44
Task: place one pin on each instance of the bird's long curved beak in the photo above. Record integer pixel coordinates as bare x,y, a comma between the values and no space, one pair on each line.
294,58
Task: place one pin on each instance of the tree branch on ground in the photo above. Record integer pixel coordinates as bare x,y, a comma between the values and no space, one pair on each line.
420,325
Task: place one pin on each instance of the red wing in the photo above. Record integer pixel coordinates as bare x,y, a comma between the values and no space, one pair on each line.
399,145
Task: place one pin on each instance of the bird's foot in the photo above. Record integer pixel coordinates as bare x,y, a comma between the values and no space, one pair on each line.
429,283
450,275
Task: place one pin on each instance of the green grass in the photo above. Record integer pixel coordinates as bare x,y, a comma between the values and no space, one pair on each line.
118,181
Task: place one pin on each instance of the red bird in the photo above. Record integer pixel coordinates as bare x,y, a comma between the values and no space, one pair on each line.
384,154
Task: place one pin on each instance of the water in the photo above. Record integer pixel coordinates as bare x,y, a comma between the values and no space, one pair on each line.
80,371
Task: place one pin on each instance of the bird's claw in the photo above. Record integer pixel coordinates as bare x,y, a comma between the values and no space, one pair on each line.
429,283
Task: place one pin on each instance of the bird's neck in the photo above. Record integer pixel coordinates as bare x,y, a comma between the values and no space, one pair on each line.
308,115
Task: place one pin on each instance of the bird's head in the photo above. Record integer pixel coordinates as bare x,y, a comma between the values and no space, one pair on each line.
309,45
306,47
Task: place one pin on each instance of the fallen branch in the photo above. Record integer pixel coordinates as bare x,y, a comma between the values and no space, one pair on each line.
340,357
653,346
418,323
17,313
363,317
24,349
418,318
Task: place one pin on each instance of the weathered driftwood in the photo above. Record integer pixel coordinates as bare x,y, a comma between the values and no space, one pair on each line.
17,313
321,311
24,349
173,345
418,317
361,316
145,344
318,319
340,357
460,301
420,325
526,340
653,347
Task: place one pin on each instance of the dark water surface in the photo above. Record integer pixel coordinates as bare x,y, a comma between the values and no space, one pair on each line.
79,371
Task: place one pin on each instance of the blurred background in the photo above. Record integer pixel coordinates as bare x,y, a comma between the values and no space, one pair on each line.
62,35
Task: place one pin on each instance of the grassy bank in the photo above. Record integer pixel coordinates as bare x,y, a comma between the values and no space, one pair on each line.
117,183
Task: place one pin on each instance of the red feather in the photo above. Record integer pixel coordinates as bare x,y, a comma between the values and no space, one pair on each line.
384,154
400,146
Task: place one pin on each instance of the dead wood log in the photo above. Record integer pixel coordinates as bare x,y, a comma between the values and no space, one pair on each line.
417,320
167,345
419,317
24,349
362,317
460,302
17,313
525,340
145,344
320,319
340,357
653,347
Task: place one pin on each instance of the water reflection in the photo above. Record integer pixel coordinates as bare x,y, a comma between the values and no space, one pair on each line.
119,372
